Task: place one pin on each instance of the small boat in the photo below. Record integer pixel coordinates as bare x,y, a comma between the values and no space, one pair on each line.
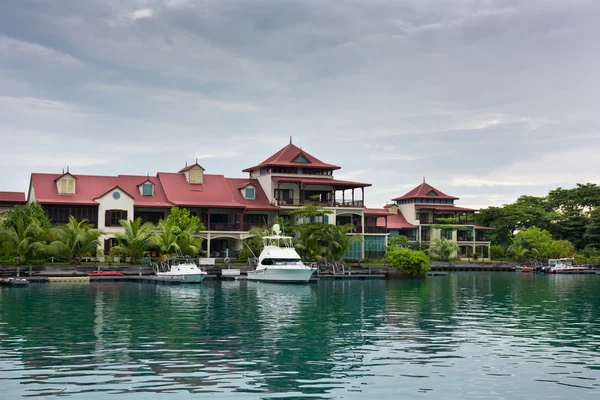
564,266
523,268
279,262
107,273
185,271
14,282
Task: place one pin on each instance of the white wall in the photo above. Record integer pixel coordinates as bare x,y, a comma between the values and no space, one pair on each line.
408,210
31,197
266,184
107,202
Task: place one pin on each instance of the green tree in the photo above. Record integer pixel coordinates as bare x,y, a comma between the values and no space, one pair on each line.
253,245
27,213
166,237
398,242
338,240
189,244
592,230
181,219
443,248
74,240
414,262
24,242
308,243
497,252
136,239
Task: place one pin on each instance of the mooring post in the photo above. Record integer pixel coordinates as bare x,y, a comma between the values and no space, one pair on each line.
140,272
30,270
18,272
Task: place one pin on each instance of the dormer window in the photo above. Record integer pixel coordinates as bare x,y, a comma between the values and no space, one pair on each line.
66,184
432,193
196,176
147,189
249,192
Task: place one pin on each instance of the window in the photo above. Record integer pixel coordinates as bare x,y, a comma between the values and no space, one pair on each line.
432,193
196,176
112,217
249,193
300,158
147,189
67,186
447,234
116,195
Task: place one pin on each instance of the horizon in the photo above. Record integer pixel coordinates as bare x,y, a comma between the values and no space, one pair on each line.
488,101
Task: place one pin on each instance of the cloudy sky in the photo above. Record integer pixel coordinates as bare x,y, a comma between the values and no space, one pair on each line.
486,99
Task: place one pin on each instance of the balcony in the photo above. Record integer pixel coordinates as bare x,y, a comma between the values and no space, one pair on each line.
299,202
374,229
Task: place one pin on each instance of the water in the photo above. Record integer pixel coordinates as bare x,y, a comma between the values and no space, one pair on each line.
465,336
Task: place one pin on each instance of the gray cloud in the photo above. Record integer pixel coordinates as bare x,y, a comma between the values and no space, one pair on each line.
480,97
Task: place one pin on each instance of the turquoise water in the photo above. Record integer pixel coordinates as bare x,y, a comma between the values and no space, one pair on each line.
464,336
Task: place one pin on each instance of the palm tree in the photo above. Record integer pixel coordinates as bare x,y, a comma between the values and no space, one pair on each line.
308,244
443,248
136,239
74,240
188,243
338,240
24,242
166,237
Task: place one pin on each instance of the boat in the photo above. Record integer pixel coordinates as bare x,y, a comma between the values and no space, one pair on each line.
523,268
14,282
184,271
279,261
564,266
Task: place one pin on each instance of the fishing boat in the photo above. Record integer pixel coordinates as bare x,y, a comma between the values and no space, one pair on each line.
279,261
564,266
184,271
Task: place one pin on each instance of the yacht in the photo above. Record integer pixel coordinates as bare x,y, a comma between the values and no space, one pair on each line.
279,262
185,271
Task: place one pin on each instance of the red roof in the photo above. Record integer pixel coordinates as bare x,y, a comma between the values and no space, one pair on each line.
423,191
377,212
389,205
286,156
187,168
395,221
444,207
12,197
90,187
115,187
215,191
321,181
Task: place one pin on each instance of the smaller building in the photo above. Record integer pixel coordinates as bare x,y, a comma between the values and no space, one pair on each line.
426,213
8,200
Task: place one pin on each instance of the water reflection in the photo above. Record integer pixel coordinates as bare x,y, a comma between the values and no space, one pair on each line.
465,335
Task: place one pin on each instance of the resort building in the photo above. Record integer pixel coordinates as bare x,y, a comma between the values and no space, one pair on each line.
8,200
426,213
228,207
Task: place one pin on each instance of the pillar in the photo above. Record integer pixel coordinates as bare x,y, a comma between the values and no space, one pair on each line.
208,244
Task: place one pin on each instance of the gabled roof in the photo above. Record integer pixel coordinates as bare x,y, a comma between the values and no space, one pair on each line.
423,191
12,197
187,168
111,189
377,212
288,157
91,187
66,174
147,180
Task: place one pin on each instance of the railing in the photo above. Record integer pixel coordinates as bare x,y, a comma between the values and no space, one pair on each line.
375,229
300,202
218,226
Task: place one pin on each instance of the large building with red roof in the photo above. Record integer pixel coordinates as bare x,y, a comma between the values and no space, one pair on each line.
228,207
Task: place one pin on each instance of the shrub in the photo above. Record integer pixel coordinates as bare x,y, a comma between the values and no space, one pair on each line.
414,262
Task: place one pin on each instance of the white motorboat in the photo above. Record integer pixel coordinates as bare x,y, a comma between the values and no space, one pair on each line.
279,262
186,272
564,266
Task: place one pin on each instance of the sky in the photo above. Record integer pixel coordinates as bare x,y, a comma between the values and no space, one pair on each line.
487,100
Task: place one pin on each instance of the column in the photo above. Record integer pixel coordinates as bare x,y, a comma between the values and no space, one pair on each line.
208,244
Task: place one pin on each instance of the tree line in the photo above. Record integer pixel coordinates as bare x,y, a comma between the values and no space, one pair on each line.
28,236
564,223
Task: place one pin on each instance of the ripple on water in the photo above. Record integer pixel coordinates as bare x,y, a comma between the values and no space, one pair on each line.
470,335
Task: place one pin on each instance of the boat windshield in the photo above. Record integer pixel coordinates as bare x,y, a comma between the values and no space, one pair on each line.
282,261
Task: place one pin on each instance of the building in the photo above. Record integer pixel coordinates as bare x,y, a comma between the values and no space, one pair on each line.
426,213
292,178
228,207
8,200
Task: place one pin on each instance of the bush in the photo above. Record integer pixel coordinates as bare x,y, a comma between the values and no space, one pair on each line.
497,252
414,262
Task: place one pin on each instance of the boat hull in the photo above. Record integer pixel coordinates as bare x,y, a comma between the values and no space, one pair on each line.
282,275
187,278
